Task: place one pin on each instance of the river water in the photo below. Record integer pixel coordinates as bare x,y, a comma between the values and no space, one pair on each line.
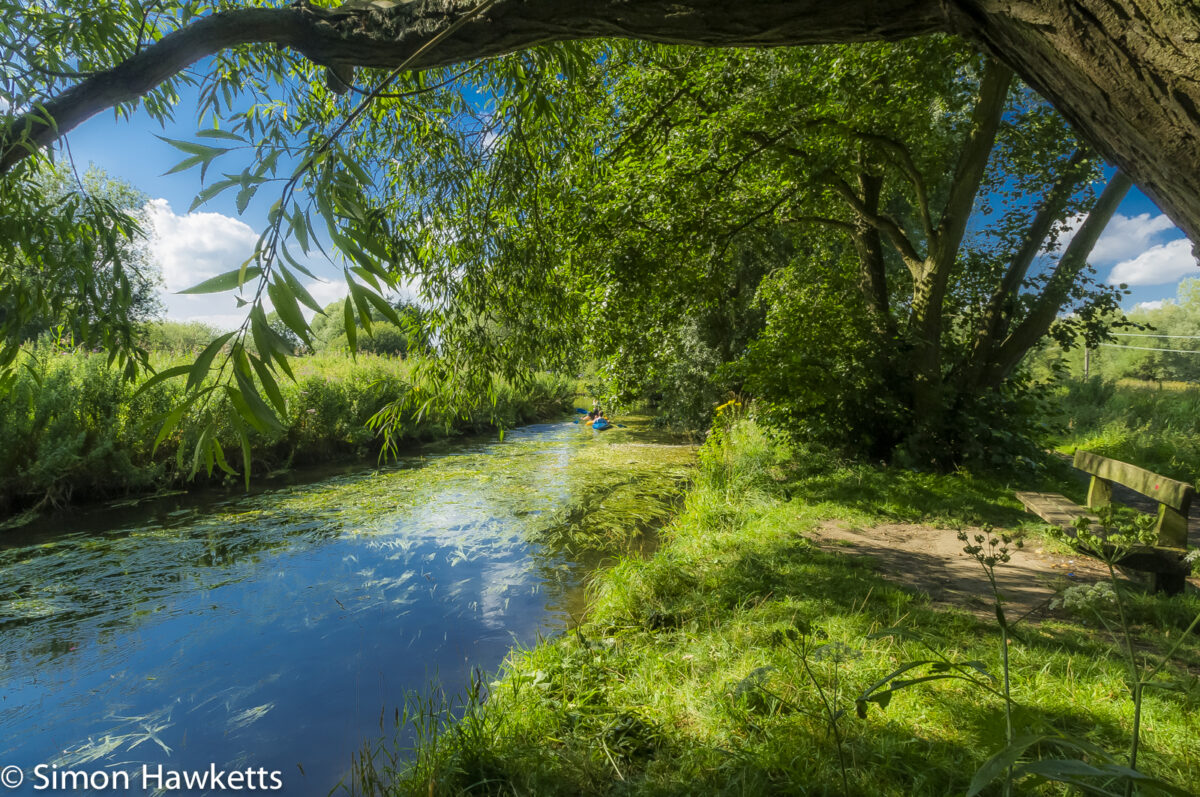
272,631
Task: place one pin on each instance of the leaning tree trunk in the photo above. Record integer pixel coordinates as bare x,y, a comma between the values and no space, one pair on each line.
1125,72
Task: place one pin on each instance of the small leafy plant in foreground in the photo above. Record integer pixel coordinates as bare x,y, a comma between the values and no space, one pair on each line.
1060,757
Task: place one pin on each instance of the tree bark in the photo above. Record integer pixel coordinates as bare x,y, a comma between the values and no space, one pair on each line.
1125,72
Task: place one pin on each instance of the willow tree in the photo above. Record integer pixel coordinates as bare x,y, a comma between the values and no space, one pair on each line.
684,178
329,98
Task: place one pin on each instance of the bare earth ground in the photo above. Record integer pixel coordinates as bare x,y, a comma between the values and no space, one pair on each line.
931,561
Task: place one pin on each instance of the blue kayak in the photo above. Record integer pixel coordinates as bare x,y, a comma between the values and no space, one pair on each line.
600,423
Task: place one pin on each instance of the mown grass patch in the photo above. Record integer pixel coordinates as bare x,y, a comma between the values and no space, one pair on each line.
719,664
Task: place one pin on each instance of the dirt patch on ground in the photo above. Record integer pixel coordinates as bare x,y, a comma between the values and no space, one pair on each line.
931,561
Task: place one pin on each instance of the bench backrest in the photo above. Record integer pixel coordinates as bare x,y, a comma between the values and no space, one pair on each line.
1174,497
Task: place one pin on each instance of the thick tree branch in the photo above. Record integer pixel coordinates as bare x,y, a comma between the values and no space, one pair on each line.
972,160
824,221
882,222
1058,287
385,39
930,284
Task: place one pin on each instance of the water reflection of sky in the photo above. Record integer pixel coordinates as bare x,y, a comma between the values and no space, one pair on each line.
271,630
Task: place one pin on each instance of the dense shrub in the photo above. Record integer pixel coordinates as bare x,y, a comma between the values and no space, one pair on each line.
70,428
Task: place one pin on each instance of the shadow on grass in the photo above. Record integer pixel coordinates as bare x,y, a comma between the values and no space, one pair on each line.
654,698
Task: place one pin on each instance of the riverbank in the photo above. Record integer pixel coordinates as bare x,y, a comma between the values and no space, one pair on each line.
72,431
269,629
729,662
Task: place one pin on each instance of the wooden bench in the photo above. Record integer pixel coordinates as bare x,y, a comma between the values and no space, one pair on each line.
1174,499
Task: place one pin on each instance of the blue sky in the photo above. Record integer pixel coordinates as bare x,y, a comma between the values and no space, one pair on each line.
1140,247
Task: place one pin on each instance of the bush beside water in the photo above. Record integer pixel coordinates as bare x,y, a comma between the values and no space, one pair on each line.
71,429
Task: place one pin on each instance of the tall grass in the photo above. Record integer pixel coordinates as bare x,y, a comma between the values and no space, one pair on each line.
71,429
1158,429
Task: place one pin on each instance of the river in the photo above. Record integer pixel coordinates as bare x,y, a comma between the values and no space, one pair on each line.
273,630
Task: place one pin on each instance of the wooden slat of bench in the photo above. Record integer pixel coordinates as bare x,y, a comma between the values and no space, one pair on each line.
1054,508
1166,563
1175,494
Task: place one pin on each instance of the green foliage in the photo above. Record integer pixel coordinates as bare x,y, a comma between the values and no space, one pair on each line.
1156,355
625,202
730,660
384,337
828,395
74,264
1155,429
178,337
72,428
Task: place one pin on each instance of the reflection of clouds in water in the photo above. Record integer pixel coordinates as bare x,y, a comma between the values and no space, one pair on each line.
372,577
502,581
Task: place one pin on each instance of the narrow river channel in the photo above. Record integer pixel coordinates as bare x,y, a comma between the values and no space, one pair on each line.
272,630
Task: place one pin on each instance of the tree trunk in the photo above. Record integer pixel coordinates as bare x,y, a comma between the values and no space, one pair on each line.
872,274
1125,72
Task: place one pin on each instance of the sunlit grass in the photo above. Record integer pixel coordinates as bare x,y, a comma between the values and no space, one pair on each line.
676,684
1134,422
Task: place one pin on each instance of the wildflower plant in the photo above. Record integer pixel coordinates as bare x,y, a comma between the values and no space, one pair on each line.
991,549
1086,767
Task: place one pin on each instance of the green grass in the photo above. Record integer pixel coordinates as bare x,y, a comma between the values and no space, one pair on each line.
1136,422
677,682
72,429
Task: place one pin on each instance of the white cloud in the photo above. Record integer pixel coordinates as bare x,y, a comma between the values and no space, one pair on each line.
1124,238
192,248
327,291
1157,265
1157,304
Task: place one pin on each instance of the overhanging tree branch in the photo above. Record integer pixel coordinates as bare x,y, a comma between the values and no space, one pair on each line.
387,38
1125,72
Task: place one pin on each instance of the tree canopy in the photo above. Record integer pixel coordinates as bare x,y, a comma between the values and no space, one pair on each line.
1125,72
501,189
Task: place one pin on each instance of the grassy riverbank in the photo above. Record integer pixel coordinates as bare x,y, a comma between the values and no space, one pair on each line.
72,430
1156,426
728,662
